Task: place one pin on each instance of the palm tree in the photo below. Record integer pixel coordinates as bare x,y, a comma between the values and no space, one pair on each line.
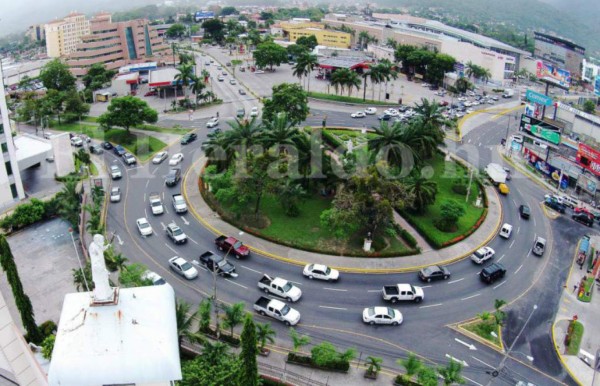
391,43
289,195
499,315
185,76
69,201
451,373
197,87
83,279
364,38
337,81
374,74
264,333
352,81
390,139
298,340
213,352
279,132
411,365
471,69
430,112
485,75
388,72
374,364
184,321
427,377
233,315
244,133
424,191
305,64
218,149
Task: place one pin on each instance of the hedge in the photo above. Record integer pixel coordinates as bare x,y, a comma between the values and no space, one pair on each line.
332,140
334,365
29,213
408,238
268,381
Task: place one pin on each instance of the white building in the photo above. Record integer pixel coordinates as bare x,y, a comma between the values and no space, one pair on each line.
590,70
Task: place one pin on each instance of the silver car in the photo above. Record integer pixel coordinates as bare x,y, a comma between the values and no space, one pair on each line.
115,194
160,157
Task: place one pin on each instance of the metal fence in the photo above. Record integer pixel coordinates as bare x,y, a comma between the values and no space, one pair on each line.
284,375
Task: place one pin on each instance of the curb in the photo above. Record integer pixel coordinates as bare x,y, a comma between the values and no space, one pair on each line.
459,328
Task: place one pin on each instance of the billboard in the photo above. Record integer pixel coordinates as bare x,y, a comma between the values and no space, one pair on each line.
597,85
552,74
540,129
199,16
589,158
544,167
538,98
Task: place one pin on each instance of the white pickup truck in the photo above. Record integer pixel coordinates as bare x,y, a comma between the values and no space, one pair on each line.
402,292
179,203
277,309
280,287
156,204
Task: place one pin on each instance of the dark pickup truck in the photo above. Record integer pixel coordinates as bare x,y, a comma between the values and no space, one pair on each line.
218,264
232,245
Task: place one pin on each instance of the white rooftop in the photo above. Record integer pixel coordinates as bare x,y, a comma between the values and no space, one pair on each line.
31,150
132,342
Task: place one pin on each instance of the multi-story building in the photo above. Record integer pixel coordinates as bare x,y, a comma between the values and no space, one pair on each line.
11,186
118,44
62,36
591,69
36,32
559,52
324,37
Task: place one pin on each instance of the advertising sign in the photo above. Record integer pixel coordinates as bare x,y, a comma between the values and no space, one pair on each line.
540,129
538,98
589,158
597,85
587,183
552,74
204,15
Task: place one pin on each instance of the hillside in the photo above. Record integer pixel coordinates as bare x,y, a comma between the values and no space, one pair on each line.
496,18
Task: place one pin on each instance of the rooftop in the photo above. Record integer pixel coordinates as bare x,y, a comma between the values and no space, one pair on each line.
341,62
132,342
163,77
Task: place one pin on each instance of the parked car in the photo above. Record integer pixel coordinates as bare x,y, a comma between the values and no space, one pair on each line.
96,149
524,211
176,234
144,226
189,137
77,142
119,150
160,157
321,272
107,145
129,159
358,114
173,177
370,110
115,194
151,93
115,172
183,267
434,272
555,205
153,277
382,315
584,218
492,272
176,159
213,122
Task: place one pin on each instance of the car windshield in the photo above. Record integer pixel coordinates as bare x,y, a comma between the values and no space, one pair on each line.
186,266
160,281
144,225
285,310
114,168
478,253
525,209
370,311
156,203
177,231
237,245
287,287
390,312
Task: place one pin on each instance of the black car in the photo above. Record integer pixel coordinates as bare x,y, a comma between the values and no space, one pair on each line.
384,117
119,150
492,272
240,113
173,177
96,149
434,272
219,264
189,137
560,208
107,145
584,218
524,211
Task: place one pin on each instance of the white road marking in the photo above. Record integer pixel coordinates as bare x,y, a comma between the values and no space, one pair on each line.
334,308
163,196
511,244
121,242
192,240
168,246
479,144
335,289
501,257
457,360
163,226
145,213
514,202
250,269
147,182
427,286
468,345
518,230
482,362
518,269
470,297
469,141
456,281
166,210
472,381
374,290
534,223
186,222
238,284
500,284
144,196
431,305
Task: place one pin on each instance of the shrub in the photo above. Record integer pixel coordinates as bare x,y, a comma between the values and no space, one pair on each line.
410,239
47,328
29,213
48,346
459,189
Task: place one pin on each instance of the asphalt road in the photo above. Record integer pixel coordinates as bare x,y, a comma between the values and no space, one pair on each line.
333,311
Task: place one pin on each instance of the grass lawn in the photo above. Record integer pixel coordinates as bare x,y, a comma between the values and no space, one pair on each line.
93,168
425,222
143,146
483,328
342,98
576,336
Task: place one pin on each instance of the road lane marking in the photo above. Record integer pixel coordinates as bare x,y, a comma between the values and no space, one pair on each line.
192,240
164,227
431,305
511,244
168,246
518,230
464,363
147,182
518,269
482,362
472,381
250,269
186,222
144,196
335,289
238,284
501,257
374,290
500,284
427,286
334,308
456,281
534,223
514,202
470,297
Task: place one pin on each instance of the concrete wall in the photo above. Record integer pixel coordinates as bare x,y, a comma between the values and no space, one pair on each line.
63,154
465,52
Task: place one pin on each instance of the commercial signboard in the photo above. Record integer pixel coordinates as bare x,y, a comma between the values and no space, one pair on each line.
597,85
538,98
544,167
589,158
552,74
204,15
540,129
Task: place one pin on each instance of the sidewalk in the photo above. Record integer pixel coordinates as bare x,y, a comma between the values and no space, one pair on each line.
213,222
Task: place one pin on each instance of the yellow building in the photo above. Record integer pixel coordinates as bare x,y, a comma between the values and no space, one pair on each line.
299,24
62,36
324,37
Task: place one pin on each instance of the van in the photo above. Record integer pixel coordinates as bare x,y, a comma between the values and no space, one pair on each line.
569,201
539,245
505,231
492,272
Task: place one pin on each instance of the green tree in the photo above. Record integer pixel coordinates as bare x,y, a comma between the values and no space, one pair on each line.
288,98
249,369
55,75
54,102
450,212
401,54
233,316
462,85
216,366
177,30
243,135
126,112
133,276
305,64
264,334
422,189
289,195
499,315
325,354
204,311
214,29
451,373
21,299
184,319
97,76
374,364
389,140
310,42
298,340
234,64
374,74
440,65
81,279
185,76
69,199
226,11
345,79
279,132
74,106
48,346
295,50
427,377
197,87
589,106
219,151
411,365
269,54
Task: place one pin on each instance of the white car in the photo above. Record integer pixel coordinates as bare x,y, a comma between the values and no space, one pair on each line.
382,315
144,226
176,159
517,138
254,112
468,104
392,112
482,255
475,103
220,78
212,122
183,267
358,114
321,272
115,172
370,111
232,81
115,194
76,141
160,157
469,111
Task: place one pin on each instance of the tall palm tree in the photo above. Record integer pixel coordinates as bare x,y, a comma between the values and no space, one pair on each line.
337,81
390,139
184,321
364,38
471,69
411,365
81,279
279,131
421,139
346,78
69,201
430,112
353,81
305,64
233,316
264,333
388,73
485,75
373,73
197,87
244,133
424,191
219,150
451,373
185,76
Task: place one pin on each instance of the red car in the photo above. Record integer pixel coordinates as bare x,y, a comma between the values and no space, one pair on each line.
444,103
151,93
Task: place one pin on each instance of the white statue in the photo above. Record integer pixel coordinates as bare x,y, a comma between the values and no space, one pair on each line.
102,290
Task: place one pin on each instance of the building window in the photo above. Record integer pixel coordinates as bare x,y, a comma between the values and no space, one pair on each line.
130,43
4,147
13,190
8,168
1,128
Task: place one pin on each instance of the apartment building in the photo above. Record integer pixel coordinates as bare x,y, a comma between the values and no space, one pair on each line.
36,33
62,36
118,44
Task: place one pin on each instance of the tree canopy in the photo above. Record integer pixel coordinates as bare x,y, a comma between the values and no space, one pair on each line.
55,75
177,30
288,98
126,112
97,76
269,54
